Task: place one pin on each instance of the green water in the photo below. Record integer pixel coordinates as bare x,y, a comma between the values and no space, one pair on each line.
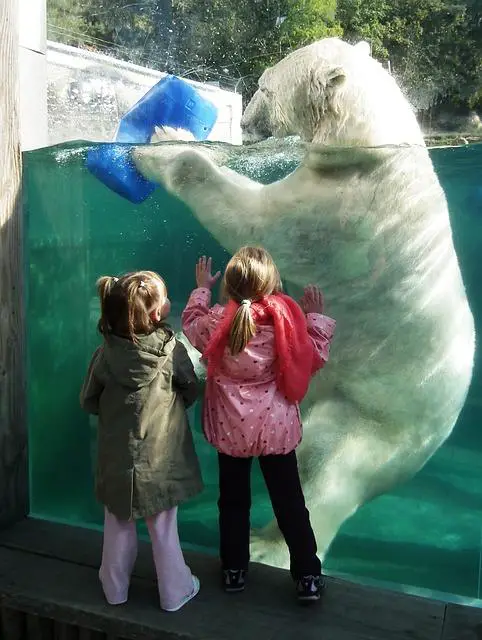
426,533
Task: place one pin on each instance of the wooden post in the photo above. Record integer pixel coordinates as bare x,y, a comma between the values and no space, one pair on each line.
32,73
13,433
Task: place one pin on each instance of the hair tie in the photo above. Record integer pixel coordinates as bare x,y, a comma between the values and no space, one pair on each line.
247,302
142,285
115,279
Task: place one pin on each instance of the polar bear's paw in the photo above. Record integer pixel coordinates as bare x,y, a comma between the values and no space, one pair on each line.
164,134
268,547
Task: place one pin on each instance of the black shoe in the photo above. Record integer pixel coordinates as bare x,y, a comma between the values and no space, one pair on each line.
234,580
308,588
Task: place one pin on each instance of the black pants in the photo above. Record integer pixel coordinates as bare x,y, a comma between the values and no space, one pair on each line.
284,487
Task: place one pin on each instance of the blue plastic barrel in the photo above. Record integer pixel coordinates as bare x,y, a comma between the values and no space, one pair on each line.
171,102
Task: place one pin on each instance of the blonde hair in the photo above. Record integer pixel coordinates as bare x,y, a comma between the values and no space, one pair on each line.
251,274
126,303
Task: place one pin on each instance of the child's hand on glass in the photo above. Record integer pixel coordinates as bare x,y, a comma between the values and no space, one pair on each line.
312,300
204,278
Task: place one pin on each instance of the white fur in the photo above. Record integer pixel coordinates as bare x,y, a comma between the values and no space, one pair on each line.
370,225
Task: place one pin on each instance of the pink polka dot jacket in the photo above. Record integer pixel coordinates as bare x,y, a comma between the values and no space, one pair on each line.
244,413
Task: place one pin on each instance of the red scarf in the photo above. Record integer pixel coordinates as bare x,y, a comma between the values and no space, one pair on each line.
298,358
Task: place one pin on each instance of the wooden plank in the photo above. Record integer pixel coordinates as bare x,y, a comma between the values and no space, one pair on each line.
71,594
462,623
65,631
12,625
13,436
88,634
39,628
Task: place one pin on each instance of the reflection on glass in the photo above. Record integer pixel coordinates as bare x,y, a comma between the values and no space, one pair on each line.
425,533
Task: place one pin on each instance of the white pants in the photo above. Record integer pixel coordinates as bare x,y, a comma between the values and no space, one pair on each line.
175,581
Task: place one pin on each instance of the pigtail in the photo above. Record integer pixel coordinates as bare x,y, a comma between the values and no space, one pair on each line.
243,328
125,303
132,304
140,297
104,285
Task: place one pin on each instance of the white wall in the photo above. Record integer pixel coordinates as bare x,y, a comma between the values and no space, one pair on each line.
89,92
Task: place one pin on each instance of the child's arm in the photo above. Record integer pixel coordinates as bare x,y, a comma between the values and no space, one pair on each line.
321,328
92,387
184,378
196,322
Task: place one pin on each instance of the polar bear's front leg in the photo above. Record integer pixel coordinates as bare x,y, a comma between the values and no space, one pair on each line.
225,202
193,170
152,161
188,170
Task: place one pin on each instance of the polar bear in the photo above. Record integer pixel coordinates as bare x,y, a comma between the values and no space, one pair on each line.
364,217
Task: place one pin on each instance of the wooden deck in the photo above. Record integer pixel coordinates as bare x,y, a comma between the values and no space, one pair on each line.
49,572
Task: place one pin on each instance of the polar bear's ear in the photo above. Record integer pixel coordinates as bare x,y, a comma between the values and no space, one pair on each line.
323,81
335,75
324,77
363,47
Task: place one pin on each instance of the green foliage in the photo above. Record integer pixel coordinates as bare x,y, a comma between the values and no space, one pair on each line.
434,46
308,21
133,31
240,38
366,20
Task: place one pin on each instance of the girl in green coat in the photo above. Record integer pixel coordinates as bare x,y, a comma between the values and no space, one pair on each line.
139,383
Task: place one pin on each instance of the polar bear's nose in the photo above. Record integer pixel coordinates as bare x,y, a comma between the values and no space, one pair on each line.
254,131
255,122
246,119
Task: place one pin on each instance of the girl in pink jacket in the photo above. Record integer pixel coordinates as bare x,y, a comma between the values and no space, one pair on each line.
261,350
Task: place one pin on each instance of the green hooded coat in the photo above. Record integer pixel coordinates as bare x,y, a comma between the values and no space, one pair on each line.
146,459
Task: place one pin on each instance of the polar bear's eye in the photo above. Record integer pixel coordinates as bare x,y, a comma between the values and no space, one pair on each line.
265,91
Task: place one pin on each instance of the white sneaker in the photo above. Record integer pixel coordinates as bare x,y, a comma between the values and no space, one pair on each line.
195,590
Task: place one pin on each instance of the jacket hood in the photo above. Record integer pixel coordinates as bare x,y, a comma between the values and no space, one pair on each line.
136,365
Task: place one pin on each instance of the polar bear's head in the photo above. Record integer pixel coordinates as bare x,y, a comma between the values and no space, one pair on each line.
331,92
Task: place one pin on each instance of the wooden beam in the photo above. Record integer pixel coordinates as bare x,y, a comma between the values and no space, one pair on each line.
64,560
462,623
13,433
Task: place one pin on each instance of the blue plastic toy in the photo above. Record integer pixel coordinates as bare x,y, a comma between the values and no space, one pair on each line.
112,164
171,102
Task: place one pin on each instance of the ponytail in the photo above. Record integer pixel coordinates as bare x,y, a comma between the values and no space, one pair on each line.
250,275
105,285
243,328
